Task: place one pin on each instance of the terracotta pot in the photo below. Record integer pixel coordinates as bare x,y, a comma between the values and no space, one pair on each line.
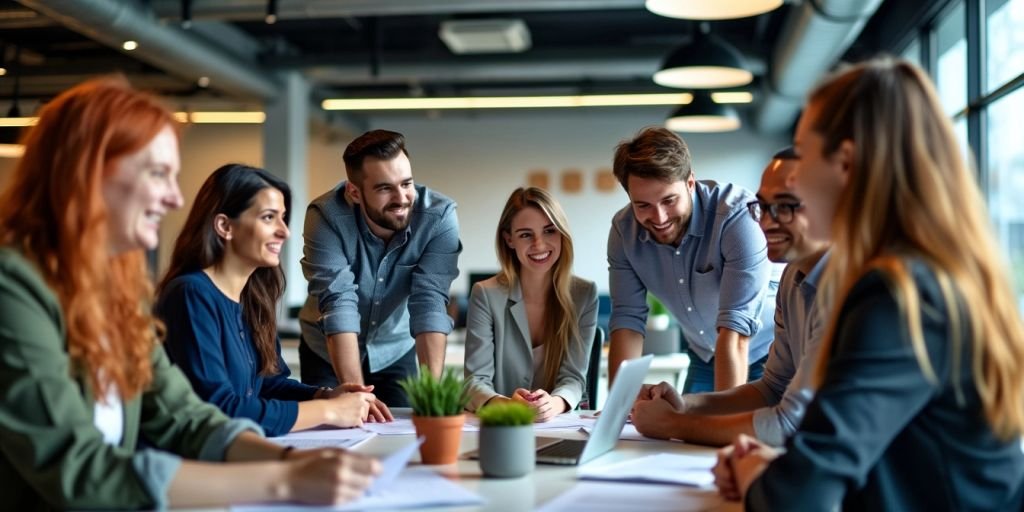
443,435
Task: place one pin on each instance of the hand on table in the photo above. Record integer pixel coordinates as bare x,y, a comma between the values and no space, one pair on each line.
653,418
544,405
328,475
662,390
378,412
740,464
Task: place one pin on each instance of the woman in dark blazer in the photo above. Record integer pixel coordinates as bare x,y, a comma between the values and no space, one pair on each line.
920,401
219,301
529,328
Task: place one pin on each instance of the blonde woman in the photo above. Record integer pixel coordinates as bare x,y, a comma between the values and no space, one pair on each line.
920,403
529,328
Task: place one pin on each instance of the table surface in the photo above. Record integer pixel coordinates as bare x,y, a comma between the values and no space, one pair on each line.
547,481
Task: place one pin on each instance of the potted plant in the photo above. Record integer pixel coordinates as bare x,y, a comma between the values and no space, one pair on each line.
437,413
507,443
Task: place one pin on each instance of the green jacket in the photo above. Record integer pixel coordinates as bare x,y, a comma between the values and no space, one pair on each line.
51,454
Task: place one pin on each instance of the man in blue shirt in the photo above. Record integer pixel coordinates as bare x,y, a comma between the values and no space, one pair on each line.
380,255
772,407
694,247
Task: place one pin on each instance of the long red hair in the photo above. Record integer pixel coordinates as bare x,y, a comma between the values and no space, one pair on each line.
54,212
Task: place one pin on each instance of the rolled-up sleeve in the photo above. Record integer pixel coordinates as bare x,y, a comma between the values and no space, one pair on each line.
628,293
329,275
745,274
432,278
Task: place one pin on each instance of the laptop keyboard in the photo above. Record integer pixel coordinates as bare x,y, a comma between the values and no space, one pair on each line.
568,450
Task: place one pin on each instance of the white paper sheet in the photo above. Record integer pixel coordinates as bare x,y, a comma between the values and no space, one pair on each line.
629,433
403,426
414,488
569,421
605,497
392,466
347,438
670,468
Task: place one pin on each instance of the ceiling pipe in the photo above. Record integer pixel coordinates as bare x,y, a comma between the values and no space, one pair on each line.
814,37
167,47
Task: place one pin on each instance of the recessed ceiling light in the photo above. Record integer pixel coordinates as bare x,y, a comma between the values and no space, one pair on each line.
3,71
130,45
484,102
204,81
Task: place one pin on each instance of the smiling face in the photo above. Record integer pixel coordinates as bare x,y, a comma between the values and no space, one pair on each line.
257,235
386,194
535,240
819,179
789,241
664,209
140,191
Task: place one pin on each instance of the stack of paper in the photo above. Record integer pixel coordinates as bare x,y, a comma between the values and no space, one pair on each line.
667,468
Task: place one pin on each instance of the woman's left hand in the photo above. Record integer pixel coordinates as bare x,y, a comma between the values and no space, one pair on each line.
544,405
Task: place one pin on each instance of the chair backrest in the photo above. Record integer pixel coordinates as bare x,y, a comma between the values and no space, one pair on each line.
589,400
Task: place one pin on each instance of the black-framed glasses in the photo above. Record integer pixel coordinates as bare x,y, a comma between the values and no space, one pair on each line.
780,212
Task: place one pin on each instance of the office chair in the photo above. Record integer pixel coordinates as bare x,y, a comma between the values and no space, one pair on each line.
589,400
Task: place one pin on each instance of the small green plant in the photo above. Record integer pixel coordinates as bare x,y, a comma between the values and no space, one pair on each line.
656,307
505,414
429,396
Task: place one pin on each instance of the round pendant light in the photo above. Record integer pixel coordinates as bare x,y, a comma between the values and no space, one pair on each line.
710,9
705,62
703,115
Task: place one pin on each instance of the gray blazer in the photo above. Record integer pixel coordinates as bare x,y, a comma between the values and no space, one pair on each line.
499,352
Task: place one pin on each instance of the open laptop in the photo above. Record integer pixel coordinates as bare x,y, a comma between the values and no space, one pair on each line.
571,452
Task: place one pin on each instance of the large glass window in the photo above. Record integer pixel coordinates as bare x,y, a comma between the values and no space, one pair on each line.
913,52
1005,41
1006,180
951,72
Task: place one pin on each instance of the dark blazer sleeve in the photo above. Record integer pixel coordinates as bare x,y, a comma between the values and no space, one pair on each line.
195,342
873,389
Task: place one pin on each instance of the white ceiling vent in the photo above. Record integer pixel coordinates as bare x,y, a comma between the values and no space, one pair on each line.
485,36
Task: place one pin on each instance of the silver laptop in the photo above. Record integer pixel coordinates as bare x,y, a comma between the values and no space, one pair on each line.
571,452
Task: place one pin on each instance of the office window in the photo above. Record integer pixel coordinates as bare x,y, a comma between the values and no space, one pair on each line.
913,52
1006,181
951,62
1005,42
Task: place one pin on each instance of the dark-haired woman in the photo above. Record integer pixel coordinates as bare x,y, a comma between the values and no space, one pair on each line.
218,300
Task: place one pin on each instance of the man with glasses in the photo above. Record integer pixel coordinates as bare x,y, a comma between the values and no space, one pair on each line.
772,407
692,245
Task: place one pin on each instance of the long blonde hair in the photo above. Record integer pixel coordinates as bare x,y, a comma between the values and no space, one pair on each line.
910,193
560,323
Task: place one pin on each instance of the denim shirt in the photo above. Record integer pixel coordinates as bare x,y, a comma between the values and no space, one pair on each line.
794,356
386,293
717,276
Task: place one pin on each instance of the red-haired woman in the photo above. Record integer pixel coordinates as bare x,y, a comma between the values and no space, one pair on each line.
82,376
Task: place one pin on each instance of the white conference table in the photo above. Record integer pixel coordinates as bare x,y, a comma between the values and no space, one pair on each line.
547,482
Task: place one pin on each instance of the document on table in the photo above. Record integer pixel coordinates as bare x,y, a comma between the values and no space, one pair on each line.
403,426
392,466
668,468
605,497
569,421
414,488
347,438
629,433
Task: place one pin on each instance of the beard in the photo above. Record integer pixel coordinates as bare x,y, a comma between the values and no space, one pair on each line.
389,221
671,237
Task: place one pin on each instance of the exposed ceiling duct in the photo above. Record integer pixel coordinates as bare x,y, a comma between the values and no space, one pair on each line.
164,46
814,37
237,10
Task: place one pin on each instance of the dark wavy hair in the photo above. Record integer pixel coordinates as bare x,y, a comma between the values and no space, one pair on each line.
230,190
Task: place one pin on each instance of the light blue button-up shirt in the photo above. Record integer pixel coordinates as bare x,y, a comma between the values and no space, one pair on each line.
386,293
718,275
787,374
